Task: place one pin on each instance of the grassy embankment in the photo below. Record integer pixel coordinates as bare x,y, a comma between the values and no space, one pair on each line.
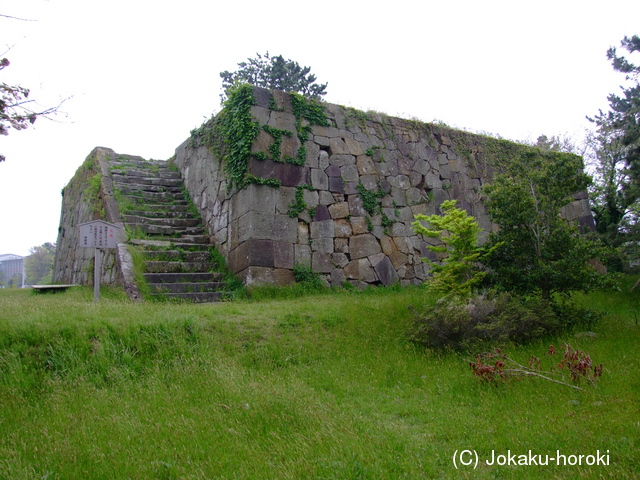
316,386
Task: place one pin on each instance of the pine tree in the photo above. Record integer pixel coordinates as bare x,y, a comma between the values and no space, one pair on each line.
274,73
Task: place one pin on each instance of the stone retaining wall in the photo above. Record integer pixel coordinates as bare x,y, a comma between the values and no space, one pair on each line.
318,216
83,202
90,196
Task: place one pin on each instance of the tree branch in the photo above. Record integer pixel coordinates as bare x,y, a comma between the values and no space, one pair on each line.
18,18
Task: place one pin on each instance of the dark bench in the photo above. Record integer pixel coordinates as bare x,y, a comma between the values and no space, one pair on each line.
50,288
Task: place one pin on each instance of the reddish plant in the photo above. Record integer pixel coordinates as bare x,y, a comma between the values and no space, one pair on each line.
493,365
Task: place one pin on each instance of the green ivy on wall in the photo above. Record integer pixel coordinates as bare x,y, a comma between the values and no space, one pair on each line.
299,205
232,133
308,112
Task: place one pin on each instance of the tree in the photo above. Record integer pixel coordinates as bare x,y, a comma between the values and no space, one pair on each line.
16,109
274,73
617,148
39,264
613,192
459,273
557,143
535,250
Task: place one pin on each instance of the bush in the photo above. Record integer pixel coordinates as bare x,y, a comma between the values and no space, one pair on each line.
304,274
483,319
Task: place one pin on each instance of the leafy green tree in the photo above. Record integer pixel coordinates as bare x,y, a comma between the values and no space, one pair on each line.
274,73
556,143
17,110
535,250
616,145
39,264
459,272
613,193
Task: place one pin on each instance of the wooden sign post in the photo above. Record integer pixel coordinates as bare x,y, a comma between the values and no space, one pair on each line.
98,235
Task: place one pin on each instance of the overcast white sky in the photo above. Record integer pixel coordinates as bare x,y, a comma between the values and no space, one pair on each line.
143,73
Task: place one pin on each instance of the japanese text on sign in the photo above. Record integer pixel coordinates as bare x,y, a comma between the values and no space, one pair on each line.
99,234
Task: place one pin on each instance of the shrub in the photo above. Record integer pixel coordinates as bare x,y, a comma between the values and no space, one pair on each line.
303,274
460,272
482,319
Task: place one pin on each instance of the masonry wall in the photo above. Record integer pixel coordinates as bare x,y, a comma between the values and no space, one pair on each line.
89,196
82,201
407,168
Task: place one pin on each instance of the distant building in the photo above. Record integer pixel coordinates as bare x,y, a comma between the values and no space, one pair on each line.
11,270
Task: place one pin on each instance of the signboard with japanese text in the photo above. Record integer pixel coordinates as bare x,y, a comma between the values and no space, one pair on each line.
99,234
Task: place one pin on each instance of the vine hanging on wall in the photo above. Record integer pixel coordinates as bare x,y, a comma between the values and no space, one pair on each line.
232,133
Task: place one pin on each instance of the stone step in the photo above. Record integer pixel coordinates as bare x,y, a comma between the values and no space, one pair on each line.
193,297
182,207
132,172
148,203
193,239
155,266
169,231
177,265
138,161
170,244
182,277
162,221
135,188
156,197
163,213
177,256
166,182
186,287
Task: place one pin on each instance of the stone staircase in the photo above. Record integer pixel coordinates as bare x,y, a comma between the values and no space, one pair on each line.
163,224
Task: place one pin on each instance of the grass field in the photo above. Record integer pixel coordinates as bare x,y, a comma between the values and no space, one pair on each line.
318,386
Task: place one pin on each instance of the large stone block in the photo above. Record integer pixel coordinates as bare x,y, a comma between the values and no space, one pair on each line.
360,269
363,245
398,259
341,245
321,262
339,210
319,179
358,225
259,198
333,171
254,252
302,254
322,229
266,275
259,225
313,151
336,185
283,255
342,228
340,259
365,165
322,244
342,160
261,114
283,121
386,272
353,146
349,173
337,277
289,175
337,146
322,213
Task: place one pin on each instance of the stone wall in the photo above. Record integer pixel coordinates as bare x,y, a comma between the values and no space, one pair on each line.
82,201
89,196
347,212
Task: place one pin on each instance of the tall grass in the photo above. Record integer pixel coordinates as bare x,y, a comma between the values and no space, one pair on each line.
321,386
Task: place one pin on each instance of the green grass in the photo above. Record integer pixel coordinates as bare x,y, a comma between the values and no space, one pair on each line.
320,386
